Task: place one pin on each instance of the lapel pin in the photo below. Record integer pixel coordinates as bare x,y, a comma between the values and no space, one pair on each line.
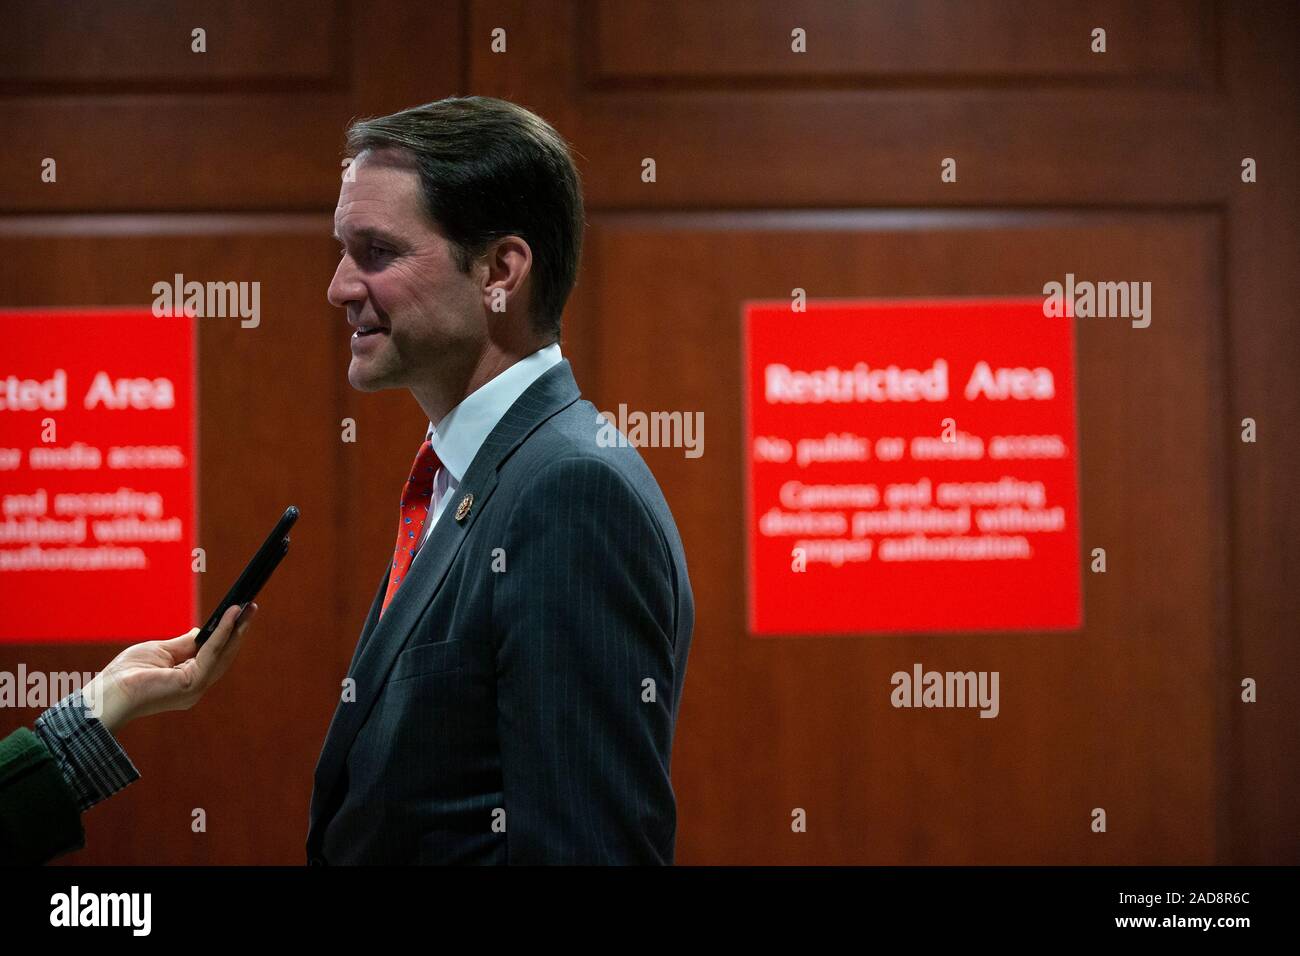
462,509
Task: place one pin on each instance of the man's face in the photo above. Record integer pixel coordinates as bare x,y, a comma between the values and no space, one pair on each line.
414,317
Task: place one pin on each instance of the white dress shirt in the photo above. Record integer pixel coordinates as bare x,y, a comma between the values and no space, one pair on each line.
462,431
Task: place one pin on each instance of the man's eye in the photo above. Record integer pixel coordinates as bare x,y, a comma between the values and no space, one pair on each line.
378,252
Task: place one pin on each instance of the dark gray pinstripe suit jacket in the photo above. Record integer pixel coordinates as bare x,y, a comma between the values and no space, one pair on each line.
506,716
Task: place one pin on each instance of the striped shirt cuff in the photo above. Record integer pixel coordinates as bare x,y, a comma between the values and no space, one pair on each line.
91,760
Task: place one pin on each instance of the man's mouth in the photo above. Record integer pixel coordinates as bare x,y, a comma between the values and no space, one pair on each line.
365,330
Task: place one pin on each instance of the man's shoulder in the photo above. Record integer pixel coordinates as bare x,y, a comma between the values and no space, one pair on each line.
577,447
578,438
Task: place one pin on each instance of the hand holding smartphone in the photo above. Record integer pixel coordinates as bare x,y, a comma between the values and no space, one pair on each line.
256,573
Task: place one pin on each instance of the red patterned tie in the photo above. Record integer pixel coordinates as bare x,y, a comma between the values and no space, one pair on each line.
417,496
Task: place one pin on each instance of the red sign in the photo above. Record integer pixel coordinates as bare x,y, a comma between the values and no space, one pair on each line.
96,475
910,467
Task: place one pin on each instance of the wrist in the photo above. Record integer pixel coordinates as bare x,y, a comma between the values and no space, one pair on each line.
104,701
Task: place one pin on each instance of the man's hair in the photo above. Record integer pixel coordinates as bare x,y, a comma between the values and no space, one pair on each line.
488,169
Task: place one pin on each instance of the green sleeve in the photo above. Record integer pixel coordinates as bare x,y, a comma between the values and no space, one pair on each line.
39,819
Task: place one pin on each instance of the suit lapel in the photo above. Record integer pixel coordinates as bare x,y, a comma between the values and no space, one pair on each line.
382,639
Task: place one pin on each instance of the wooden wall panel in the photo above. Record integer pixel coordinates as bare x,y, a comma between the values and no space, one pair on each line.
1260,775
267,142
1121,715
269,405
742,144
651,43
243,163
742,130
61,43
823,172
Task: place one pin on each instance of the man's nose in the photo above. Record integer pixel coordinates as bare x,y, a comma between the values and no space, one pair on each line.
345,287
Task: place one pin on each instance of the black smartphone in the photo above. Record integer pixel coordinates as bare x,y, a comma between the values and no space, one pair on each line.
256,573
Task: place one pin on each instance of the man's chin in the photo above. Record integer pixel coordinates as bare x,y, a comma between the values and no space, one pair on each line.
364,381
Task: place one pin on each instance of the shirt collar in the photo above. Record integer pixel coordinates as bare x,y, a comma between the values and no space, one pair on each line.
462,431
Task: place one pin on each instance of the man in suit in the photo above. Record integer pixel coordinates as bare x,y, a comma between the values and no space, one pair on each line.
513,694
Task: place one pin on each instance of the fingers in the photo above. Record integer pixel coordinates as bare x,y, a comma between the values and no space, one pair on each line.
217,654
218,639
143,681
246,616
180,648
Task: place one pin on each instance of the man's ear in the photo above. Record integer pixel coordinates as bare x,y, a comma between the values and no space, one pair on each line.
509,262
